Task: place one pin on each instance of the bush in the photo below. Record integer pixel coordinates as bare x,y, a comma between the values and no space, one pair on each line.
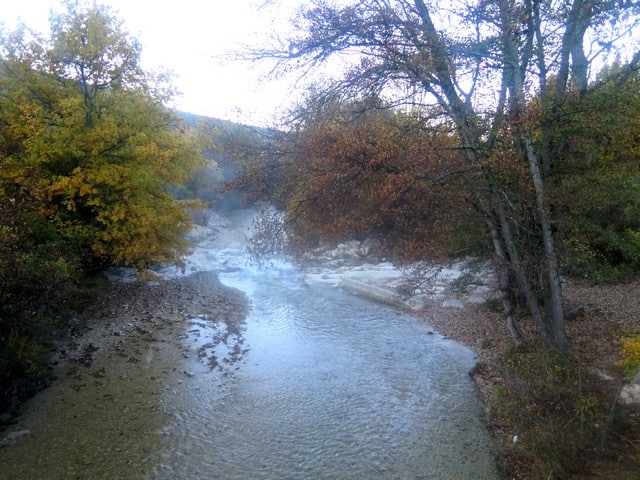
630,362
38,271
269,238
557,411
25,350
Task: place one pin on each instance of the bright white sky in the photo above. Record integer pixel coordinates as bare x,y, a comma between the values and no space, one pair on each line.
190,38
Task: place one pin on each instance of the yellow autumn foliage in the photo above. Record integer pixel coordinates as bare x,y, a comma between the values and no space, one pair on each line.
630,352
98,155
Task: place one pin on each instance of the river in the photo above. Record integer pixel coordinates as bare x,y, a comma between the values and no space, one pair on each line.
315,384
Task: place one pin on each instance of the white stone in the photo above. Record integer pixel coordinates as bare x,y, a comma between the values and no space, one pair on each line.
13,437
603,375
453,303
415,303
630,394
476,299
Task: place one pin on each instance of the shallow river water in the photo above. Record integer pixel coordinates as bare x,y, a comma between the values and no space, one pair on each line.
316,384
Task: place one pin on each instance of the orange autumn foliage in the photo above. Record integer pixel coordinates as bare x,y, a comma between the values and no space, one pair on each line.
382,177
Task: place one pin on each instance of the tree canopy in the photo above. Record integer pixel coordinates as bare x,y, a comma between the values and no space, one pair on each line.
499,72
88,143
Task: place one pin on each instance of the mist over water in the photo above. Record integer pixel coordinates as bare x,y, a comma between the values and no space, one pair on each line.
331,386
315,384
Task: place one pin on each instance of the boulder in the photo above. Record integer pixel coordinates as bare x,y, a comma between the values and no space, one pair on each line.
13,437
453,303
630,394
476,299
380,294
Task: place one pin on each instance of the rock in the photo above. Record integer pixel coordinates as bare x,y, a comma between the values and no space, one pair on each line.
453,303
380,294
573,312
369,245
602,375
415,303
477,299
13,437
630,394
370,291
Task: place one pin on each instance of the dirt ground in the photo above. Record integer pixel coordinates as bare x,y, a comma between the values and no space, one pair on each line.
599,317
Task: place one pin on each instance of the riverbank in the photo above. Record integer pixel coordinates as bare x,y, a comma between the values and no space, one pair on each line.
151,314
137,312
138,402
551,417
106,411
132,310
154,314
599,316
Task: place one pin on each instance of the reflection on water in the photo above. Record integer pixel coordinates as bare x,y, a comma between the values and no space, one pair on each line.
218,345
102,421
317,384
331,386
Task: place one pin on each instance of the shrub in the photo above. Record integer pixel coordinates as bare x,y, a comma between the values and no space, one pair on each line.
555,408
630,362
38,274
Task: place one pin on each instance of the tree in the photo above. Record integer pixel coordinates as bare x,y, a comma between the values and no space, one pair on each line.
481,62
595,178
88,159
362,170
88,141
91,49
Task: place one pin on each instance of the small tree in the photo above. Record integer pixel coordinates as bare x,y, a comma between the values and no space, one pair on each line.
363,171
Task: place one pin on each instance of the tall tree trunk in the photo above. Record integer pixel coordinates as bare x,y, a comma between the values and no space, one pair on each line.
504,282
572,58
554,318
551,321
552,325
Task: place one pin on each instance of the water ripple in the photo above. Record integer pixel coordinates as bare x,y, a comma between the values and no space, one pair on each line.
331,387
